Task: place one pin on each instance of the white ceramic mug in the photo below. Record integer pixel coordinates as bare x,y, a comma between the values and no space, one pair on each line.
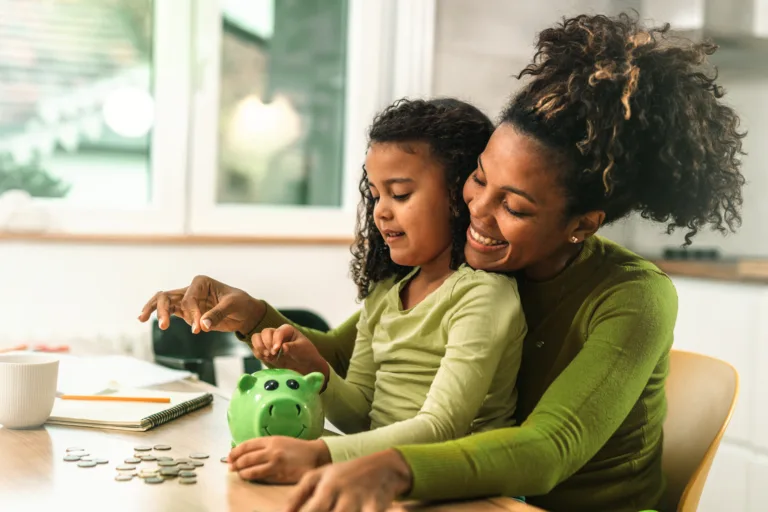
27,389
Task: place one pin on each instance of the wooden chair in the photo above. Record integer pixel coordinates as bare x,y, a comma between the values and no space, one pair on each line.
701,396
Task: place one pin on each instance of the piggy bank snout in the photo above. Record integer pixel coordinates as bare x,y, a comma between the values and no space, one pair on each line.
283,408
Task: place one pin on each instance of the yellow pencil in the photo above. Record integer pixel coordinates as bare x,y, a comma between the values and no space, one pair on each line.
108,398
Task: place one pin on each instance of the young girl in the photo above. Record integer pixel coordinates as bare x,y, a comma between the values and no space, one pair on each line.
439,344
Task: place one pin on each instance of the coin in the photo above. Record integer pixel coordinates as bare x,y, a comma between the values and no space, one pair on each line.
187,474
79,454
148,458
121,477
170,472
162,447
86,458
196,463
198,456
74,449
126,467
153,480
142,448
224,459
132,460
102,461
161,459
187,467
86,463
71,458
167,463
187,481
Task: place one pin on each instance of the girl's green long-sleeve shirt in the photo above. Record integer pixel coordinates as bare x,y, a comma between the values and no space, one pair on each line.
437,371
591,401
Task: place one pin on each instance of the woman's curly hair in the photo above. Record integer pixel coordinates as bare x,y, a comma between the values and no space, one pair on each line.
633,121
456,133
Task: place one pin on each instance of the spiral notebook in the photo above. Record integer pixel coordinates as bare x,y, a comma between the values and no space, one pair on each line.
136,416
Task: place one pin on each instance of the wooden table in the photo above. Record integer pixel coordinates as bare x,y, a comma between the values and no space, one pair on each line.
34,476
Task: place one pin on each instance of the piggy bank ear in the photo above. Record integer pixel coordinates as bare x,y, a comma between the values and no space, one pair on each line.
246,382
314,381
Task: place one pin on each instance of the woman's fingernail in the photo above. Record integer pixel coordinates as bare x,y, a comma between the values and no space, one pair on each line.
207,323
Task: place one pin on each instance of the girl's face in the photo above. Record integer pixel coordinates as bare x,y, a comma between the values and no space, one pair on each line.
516,209
412,210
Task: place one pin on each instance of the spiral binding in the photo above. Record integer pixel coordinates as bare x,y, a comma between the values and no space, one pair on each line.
176,411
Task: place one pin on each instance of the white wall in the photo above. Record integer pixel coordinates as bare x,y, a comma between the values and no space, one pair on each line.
90,294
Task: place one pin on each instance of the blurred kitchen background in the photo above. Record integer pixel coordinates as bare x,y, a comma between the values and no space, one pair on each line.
143,142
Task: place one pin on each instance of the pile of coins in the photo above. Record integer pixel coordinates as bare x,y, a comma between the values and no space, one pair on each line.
167,467
83,458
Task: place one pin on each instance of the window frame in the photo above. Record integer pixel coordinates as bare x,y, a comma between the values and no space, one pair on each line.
389,55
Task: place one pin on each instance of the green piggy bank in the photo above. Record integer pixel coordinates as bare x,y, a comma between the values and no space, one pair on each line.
276,402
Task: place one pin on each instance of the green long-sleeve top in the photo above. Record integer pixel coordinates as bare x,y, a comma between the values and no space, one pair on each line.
591,401
437,371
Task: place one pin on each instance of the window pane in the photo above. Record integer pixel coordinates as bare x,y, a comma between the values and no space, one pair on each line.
76,109
282,102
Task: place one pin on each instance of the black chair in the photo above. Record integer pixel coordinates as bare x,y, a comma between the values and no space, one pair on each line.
177,347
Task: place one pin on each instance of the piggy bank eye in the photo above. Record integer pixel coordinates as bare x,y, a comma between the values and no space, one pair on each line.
271,385
292,384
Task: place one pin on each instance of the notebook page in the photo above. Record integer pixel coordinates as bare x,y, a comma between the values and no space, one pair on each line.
88,375
117,413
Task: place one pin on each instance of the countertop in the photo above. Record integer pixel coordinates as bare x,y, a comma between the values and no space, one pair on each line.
736,270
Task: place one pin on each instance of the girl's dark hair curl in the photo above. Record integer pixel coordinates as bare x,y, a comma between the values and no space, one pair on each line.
456,133
633,120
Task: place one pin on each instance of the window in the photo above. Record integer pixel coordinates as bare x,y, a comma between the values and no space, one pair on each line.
77,109
211,117
281,102
83,100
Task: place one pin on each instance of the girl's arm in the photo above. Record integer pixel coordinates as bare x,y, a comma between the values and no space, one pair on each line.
347,401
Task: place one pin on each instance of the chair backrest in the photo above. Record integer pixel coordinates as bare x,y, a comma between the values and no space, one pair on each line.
701,395
306,318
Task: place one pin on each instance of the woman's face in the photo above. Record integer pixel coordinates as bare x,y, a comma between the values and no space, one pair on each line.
516,208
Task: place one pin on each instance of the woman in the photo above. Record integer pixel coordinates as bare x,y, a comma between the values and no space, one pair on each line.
615,119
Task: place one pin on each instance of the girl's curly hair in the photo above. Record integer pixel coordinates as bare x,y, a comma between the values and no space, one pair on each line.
456,133
634,123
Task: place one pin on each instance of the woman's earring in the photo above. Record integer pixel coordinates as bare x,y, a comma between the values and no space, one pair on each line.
574,240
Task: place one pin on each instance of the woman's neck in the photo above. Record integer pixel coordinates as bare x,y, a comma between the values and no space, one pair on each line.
552,266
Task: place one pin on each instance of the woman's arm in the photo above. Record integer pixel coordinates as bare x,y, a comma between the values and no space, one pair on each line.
476,343
335,346
579,412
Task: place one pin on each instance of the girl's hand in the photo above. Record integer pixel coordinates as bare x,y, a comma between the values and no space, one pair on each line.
286,347
277,459
369,483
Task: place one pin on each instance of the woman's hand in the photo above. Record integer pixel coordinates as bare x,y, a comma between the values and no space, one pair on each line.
277,459
286,347
369,483
207,305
